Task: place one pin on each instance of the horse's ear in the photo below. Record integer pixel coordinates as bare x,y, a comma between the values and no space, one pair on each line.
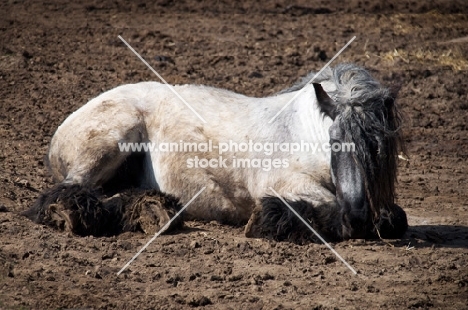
326,104
393,91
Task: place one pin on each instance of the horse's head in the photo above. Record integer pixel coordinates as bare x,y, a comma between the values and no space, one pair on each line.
365,140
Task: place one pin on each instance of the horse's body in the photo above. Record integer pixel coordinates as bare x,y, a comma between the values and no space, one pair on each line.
85,150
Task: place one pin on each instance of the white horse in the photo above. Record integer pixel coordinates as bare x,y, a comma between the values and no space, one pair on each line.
239,154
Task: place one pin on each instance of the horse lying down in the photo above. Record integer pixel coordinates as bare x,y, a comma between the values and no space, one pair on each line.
239,155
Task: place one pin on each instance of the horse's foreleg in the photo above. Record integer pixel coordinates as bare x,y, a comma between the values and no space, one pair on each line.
273,219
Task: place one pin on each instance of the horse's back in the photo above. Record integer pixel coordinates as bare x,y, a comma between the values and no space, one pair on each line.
85,147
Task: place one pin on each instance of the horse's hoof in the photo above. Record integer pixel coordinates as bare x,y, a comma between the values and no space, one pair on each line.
152,212
253,227
72,208
75,219
59,218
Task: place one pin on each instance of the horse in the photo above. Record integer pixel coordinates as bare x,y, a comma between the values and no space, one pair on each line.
139,141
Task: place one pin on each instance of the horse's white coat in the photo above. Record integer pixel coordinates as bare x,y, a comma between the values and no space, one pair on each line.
85,149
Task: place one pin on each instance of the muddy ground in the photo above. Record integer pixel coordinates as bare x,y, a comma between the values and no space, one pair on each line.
54,57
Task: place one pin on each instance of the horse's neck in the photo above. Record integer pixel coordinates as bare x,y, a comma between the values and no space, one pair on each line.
308,122
303,125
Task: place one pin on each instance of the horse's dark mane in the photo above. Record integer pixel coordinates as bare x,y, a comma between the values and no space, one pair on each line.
371,120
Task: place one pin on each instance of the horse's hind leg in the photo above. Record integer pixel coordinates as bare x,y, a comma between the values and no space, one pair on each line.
86,148
84,156
84,211
74,208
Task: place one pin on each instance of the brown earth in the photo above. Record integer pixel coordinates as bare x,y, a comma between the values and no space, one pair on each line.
54,57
